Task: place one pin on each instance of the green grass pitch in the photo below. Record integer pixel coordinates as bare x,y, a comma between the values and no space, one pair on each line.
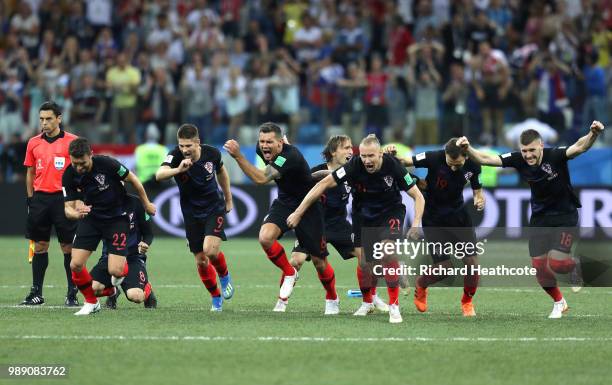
182,342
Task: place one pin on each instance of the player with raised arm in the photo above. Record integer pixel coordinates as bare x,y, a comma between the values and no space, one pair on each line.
377,179
136,285
286,166
445,218
94,195
339,232
199,172
46,160
554,204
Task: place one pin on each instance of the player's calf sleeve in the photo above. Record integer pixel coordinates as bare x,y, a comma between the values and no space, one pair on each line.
108,291
67,258
208,275
562,266
364,285
546,278
147,291
392,280
82,280
220,264
276,254
40,261
470,284
427,280
328,280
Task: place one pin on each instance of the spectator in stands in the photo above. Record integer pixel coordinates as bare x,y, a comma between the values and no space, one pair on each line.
307,40
159,100
196,92
10,106
426,79
122,81
376,98
492,83
353,89
351,44
87,110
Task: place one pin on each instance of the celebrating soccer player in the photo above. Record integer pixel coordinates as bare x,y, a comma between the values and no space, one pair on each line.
338,231
95,196
445,218
194,167
136,284
287,167
554,203
377,179
46,160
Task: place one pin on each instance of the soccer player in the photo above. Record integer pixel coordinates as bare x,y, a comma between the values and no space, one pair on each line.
338,231
286,166
136,285
194,166
46,160
445,218
94,195
377,179
554,203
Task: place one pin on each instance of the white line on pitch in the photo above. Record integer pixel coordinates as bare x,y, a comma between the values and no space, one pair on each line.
306,339
192,286
266,311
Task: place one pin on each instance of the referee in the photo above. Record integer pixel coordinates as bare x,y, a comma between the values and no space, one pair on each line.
46,160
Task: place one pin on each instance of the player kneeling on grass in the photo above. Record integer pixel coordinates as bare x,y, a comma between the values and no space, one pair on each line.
95,196
136,285
198,171
377,179
554,204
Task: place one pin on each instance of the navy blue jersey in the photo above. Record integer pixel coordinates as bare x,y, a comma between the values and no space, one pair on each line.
378,192
101,188
140,228
444,194
551,189
295,178
200,195
334,199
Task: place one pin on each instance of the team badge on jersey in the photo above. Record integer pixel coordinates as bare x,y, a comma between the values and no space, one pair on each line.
59,162
209,167
100,178
468,175
389,180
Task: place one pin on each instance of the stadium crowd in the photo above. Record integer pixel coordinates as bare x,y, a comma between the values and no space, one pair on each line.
411,71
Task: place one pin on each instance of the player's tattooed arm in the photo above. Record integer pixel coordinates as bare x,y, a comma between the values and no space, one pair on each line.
313,195
271,173
479,156
256,175
583,144
318,175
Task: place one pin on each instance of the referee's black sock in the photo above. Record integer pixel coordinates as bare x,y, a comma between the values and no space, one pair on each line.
67,258
40,261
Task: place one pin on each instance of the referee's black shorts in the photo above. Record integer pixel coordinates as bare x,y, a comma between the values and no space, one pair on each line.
46,210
